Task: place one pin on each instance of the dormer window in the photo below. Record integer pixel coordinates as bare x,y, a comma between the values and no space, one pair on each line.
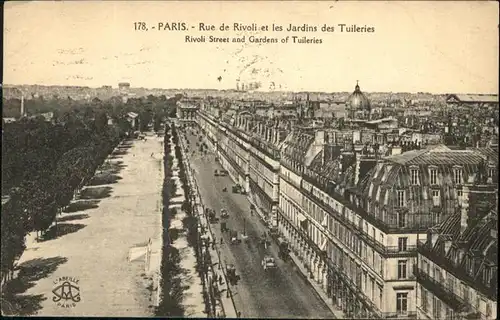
401,199
491,172
414,176
433,176
487,275
458,174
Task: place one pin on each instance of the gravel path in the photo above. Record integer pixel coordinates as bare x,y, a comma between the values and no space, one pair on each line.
96,244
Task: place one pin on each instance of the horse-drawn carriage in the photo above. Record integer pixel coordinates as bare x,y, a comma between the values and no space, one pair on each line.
232,277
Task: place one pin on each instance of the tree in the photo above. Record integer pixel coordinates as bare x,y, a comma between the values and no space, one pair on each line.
101,121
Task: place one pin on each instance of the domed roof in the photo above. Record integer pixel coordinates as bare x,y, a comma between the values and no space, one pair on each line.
357,100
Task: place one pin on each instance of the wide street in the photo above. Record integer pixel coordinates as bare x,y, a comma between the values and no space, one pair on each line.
282,292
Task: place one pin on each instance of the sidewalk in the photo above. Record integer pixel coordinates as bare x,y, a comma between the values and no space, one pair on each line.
336,312
225,306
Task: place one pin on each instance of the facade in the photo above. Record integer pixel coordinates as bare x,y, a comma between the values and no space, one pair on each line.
458,259
187,109
353,201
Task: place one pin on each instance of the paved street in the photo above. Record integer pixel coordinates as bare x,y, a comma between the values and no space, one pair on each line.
282,292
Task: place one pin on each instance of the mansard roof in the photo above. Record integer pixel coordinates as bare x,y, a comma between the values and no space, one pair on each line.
437,157
296,145
334,165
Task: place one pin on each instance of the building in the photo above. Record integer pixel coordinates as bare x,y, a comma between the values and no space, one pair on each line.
457,265
358,106
133,119
353,200
124,87
187,109
472,100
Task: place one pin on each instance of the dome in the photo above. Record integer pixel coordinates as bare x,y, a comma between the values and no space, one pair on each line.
358,101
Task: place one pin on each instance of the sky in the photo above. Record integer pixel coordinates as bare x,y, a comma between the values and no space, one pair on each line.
438,47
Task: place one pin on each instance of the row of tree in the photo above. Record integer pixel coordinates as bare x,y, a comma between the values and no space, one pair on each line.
171,294
43,164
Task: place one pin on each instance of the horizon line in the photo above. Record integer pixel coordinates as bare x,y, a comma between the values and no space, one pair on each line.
255,91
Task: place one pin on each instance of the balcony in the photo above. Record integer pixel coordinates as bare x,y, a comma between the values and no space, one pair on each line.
425,249
398,315
390,251
439,290
396,251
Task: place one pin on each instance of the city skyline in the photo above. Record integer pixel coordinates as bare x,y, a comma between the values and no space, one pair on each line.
421,41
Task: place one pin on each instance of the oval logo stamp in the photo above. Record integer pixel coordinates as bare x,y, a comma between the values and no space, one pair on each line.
66,292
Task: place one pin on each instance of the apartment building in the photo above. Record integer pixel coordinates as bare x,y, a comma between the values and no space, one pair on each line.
352,207
457,264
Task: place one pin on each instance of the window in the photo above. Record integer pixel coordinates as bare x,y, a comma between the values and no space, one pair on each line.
458,175
401,198
402,219
487,275
365,281
401,302
437,274
460,194
402,269
414,176
449,313
490,172
372,284
433,176
488,310
402,244
436,198
423,297
380,296
381,238
436,308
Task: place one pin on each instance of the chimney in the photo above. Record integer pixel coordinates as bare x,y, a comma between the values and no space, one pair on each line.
356,170
432,236
395,150
447,246
464,211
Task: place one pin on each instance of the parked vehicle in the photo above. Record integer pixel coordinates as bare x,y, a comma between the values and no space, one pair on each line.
234,237
232,277
284,250
223,227
236,188
269,263
216,173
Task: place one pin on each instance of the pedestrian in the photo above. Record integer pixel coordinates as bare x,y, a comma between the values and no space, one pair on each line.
213,244
220,279
220,240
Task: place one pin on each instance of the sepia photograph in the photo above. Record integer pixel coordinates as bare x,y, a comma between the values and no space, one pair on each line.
250,159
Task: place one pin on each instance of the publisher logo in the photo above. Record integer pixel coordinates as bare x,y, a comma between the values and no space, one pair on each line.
66,292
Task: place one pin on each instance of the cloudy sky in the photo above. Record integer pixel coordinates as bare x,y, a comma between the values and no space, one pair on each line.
417,46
